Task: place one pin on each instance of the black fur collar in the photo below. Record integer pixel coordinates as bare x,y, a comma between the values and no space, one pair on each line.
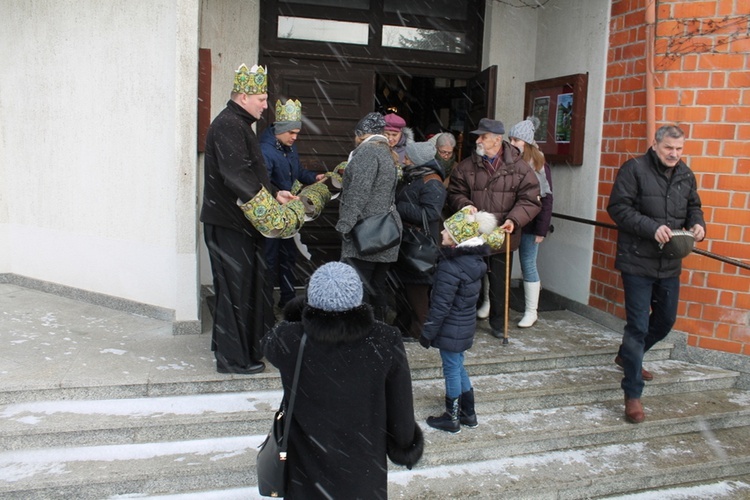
332,327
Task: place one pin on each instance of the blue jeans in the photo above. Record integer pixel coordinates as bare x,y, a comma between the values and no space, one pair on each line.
650,313
527,253
456,379
281,256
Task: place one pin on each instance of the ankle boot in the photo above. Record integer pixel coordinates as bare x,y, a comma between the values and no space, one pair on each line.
448,421
634,410
531,291
483,312
467,416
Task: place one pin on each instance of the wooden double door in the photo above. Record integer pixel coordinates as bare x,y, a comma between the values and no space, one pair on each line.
335,96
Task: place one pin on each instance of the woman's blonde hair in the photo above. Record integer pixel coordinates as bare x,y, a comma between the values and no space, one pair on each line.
533,156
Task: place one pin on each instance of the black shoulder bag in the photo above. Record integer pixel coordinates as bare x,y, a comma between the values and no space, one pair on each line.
418,252
271,463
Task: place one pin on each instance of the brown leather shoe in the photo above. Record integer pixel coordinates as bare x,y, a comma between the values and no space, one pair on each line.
645,374
634,411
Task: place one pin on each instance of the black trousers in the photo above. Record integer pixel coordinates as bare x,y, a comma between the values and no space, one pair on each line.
244,301
496,277
373,276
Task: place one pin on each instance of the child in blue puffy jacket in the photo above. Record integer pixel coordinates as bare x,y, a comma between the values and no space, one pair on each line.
451,321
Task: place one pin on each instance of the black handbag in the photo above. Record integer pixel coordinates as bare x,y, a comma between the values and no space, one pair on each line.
271,462
418,252
376,233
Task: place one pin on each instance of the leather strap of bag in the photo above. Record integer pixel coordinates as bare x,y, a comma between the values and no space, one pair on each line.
288,416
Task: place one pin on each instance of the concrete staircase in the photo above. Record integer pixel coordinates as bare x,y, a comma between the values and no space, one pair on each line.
549,405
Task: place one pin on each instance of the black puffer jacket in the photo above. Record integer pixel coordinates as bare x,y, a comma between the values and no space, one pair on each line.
452,320
644,198
354,402
421,190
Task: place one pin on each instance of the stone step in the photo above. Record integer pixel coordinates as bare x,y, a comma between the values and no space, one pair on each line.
123,421
506,434
731,488
225,463
552,388
102,364
488,356
586,472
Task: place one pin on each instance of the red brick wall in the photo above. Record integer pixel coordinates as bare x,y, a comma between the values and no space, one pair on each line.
702,79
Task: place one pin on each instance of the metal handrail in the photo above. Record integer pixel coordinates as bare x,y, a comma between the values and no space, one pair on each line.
706,253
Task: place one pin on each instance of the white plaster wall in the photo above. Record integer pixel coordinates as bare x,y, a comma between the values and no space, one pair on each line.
562,38
231,29
573,37
97,147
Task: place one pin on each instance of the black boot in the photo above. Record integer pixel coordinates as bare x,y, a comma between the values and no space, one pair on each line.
467,415
448,421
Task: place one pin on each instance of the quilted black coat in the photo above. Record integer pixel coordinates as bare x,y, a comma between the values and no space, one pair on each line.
644,198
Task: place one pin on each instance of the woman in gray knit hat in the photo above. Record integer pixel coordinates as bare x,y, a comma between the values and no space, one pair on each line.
421,191
522,136
369,188
354,403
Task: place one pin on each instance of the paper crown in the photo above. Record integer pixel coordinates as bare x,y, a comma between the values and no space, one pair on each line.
463,225
290,111
250,81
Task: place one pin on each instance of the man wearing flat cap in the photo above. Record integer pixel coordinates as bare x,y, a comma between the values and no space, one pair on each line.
496,179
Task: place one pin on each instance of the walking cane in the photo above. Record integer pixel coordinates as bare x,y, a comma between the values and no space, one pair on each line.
507,285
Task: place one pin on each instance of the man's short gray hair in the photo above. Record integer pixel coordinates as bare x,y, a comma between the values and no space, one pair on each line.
672,131
446,139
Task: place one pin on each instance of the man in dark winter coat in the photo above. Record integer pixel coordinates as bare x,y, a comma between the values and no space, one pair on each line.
497,180
354,402
284,170
235,172
652,196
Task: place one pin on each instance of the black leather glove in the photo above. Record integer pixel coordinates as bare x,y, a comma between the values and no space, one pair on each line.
424,341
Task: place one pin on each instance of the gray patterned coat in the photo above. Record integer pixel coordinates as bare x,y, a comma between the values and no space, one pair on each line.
369,189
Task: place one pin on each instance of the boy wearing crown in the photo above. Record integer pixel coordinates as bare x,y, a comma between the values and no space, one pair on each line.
235,173
284,171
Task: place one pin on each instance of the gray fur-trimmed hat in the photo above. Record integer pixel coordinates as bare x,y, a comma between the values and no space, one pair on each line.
371,123
525,130
420,153
335,286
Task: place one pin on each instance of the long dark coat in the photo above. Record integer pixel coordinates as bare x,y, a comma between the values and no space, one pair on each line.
234,169
354,403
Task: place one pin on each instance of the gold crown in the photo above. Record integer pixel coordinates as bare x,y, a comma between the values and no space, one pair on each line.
290,111
250,81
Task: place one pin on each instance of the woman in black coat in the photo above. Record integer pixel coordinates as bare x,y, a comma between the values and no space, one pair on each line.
422,190
354,401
